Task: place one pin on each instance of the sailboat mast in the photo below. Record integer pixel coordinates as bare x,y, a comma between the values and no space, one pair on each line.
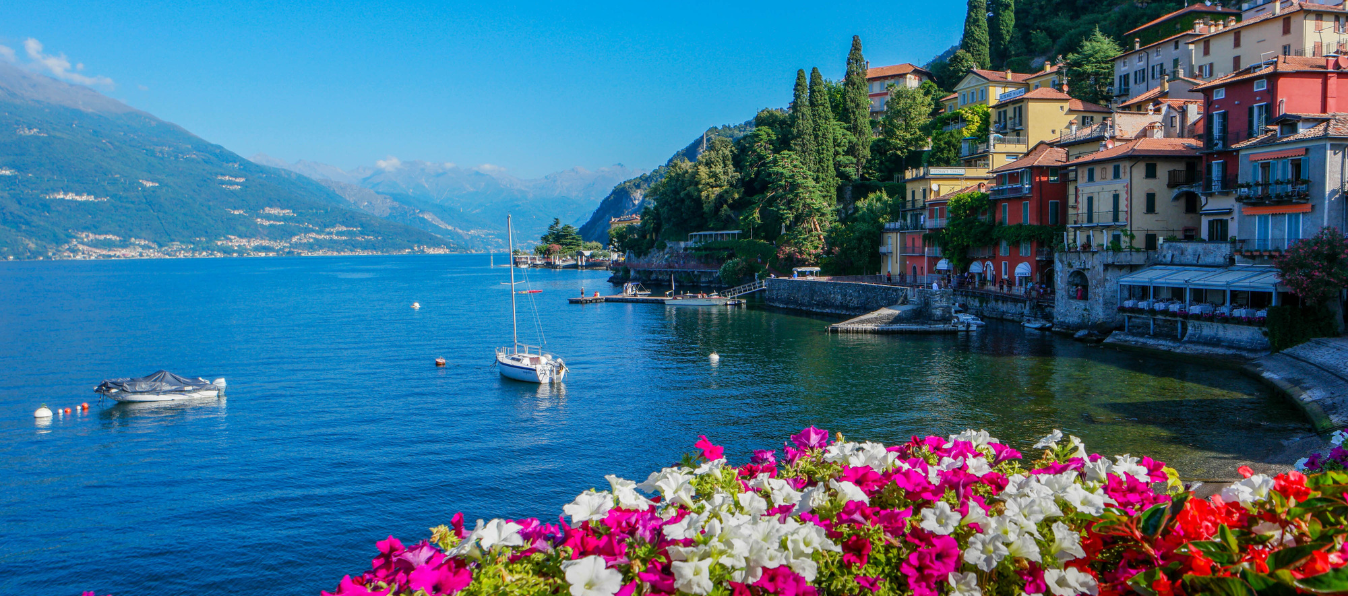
510,249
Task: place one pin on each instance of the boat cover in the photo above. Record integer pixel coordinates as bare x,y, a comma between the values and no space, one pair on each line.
160,382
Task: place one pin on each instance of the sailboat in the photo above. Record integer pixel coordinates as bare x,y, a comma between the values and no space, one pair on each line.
520,361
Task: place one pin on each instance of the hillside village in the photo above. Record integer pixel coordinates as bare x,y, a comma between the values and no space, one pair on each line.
1141,186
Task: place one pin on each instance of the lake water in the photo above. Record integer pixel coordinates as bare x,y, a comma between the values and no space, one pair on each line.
338,429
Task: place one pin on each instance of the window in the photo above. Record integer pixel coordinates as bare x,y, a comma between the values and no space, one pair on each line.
1024,212
1140,76
1293,228
1006,210
1006,252
1316,48
1025,248
1217,130
1087,120
1218,173
1287,50
1118,171
1090,208
1190,203
1150,169
1235,63
1005,265
982,94
1151,202
1151,241
1261,230
1174,121
1139,58
1236,42
1261,85
1257,119
1090,174
1209,70
1218,230
1219,93
1177,41
1287,27
1207,47
1052,213
1116,208
1053,174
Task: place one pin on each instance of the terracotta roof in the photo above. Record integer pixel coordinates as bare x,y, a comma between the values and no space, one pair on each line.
1040,93
895,70
1296,7
1000,75
1042,154
1281,65
1334,125
1052,69
1185,10
950,97
1186,32
1145,146
1077,105
1177,103
1144,97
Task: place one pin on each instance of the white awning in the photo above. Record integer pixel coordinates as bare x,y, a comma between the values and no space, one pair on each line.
943,265
975,267
1023,270
1239,278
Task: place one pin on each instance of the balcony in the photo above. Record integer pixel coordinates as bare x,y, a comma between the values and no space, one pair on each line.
1100,130
904,226
1098,218
1264,246
982,252
909,250
929,171
1043,254
954,125
1010,190
1178,178
1120,92
995,142
1278,191
1222,185
886,250
935,223
932,251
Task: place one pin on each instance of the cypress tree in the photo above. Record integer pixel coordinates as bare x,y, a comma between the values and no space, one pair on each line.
1003,28
824,124
975,39
858,108
802,123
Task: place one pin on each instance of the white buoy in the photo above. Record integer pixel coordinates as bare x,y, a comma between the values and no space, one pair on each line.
714,357
42,412
416,305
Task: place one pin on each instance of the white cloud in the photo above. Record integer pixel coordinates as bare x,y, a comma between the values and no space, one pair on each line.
6,53
59,66
389,164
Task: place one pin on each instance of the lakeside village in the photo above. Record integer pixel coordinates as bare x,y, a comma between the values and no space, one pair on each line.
1184,193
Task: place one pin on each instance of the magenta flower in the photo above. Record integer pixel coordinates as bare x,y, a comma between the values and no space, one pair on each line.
1003,453
781,581
811,438
440,579
856,551
870,583
349,587
764,456
709,452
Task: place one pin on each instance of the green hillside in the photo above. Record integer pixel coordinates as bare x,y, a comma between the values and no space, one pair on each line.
79,176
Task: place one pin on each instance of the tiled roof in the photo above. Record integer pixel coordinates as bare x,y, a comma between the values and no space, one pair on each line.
1042,154
1077,105
1283,64
1040,93
895,70
950,97
1000,75
1191,8
1296,7
1145,146
1144,97
1334,125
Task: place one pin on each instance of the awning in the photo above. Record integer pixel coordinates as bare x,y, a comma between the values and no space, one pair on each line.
1023,270
975,267
943,265
1285,153
1276,209
1217,211
1238,278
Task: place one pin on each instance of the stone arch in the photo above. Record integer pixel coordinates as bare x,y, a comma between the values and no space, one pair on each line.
1078,285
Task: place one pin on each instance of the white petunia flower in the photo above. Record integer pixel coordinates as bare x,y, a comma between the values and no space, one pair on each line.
590,577
979,438
589,506
1050,441
1080,450
1070,582
677,488
1087,502
626,492
499,532
693,577
1338,437
710,467
1066,543
1057,484
1250,490
1127,465
976,515
940,519
688,527
1026,548
782,493
985,551
849,492
751,503
978,466
964,584
1097,471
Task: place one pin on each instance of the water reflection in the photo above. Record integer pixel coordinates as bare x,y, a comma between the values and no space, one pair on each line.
126,413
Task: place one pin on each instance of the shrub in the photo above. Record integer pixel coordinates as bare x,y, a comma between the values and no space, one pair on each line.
1316,269
1290,326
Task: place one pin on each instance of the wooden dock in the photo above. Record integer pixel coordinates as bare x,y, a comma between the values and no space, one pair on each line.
618,298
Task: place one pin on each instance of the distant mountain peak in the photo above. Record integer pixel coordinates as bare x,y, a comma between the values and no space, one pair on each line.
20,85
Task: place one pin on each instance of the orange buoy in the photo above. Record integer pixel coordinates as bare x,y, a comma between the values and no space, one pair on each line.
67,410
84,406
439,361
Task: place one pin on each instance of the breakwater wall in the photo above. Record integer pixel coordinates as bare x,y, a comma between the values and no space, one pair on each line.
835,298
995,305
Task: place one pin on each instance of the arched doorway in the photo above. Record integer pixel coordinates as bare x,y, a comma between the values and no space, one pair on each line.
1078,287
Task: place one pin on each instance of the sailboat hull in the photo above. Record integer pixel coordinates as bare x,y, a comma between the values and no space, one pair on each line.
528,373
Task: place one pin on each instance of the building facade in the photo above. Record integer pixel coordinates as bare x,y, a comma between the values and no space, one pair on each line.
1125,196
902,248
1269,29
1029,191
879,79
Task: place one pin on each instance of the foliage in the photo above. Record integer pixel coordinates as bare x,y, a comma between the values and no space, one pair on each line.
959,65
975,40
904,127
737,270
563,236
1290,326
857,109
750,250
1335,460
826,130
854,245
803,136
1018,233
1316,269
967,227
799,204
945,145
959,515
1090,69
1003,30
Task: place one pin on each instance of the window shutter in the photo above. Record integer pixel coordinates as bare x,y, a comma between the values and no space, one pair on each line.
1249,124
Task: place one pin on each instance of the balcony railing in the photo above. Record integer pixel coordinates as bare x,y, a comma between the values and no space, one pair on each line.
1043,254
1082,134
1098,218
1274,192
1010,190
972,147
1265,244
1177,178
1120,92
1224,184
926,171
904,226
886,250
932,251
953,125
909,250
935,223
982,252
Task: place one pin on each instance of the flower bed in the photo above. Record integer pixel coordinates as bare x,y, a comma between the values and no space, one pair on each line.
964,515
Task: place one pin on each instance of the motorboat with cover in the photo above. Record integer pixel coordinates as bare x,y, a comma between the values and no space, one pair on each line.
523,362
160,386
966,322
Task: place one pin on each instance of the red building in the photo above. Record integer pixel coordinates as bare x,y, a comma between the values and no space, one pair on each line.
1033,191
1240,105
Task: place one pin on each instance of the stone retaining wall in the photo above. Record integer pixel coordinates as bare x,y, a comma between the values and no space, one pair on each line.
988,305
829,297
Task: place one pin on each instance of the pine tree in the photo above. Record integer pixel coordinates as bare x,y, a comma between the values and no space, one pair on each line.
957,68
858,108
975,39
1003,29
825,174
1090,69
802,123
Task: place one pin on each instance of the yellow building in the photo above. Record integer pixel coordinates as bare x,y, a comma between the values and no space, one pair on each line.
1053,76
1024,118
1127,195
901,246
1269,28
986,86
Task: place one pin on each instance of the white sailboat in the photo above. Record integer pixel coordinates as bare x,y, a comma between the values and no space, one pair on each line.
520,361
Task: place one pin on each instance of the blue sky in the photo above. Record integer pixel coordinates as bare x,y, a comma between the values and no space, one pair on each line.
531,87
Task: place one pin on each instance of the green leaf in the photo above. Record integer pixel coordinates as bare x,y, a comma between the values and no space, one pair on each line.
1141,583
1267,585
1222,586
1326,583
1216,551
1291,557
1154,518
1229,539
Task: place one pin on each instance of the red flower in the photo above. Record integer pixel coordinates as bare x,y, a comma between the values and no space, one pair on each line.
1292,485
709,451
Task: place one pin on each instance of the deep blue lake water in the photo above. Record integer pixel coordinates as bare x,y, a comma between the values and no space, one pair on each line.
338,430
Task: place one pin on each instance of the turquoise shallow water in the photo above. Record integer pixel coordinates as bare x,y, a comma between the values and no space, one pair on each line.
338,430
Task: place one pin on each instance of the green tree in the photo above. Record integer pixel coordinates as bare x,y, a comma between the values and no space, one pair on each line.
1003,30
975,40
795,198
1316,269
718,183
1090,69
821,112
678,201
854,245
959,65
967,227
857,109
803,136
907,114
